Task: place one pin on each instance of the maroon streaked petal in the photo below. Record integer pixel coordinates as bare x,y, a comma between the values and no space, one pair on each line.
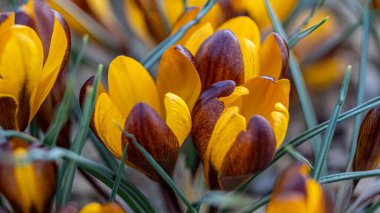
24,19
252,151
220,58
8,106
367,154
155,136
206,112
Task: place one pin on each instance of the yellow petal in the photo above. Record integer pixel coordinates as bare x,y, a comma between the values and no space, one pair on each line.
274,56
106,118
279,122
7,23
227,128
198,37
177,74
231,99
264,94
243,27
136,20
251,59
173,10
257,10
178,117
324,73
52,67
21,61
129,83
99,208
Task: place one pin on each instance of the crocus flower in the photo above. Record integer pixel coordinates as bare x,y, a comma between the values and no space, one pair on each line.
28,186
235,52
367,154
156,113
235,128
30,61
100,208
296,192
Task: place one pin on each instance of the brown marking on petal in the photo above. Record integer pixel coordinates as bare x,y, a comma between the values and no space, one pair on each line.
367,154
230,11
46,172
155,136
44,22
220,58
284,54
24,19
206,113
3,17
8,110
252,151
23,108
291,182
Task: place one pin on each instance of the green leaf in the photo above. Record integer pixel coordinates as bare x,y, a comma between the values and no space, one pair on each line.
322,156
361,80
349,176
297,156
302,34
79,140
119,174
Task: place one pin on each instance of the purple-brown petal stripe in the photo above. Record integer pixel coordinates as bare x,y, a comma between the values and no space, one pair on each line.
252,151
206,113
220,58
155,136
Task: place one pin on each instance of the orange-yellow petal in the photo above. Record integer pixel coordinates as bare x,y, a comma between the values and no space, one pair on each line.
263,98
243,27
177,74
21,61
274,56
178,117
198,37
102,208
129,83
107,118
52,67
251,59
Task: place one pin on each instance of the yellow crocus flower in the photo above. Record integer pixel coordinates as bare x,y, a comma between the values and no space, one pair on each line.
296,192
28,186
30,61
156,113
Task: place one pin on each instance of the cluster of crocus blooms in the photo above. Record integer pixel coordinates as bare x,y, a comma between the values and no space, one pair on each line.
29,186
246,112
367,154
296,192
35,43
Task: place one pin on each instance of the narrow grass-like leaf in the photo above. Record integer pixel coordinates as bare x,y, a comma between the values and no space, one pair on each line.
362,78
13,133
322,156
80,139
374,207
119,174
307,107
349,176
297,156
156,53
302,34
226,200
159,169
309,134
